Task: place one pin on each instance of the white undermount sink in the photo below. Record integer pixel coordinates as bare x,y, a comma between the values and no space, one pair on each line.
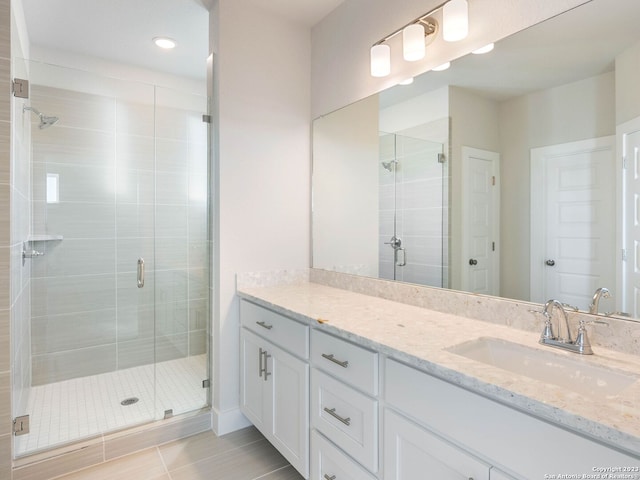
574,374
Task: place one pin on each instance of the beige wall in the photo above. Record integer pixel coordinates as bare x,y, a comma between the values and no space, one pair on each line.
627,91
345,194
263,163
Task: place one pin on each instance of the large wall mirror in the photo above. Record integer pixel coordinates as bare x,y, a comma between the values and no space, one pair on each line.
502,175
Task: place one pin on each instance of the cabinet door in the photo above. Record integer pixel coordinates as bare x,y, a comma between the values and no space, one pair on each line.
410,452
288,405
252,379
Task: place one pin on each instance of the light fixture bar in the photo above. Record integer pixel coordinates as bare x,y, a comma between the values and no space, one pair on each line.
420,19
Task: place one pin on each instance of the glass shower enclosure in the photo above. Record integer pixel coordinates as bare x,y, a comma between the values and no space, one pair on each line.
116,263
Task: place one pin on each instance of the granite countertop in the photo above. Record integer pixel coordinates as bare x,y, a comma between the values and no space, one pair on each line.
421,337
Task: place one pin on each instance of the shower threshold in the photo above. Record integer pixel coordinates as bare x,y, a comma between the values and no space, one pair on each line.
72,410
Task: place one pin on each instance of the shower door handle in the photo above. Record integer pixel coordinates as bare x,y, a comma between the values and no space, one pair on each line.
140,272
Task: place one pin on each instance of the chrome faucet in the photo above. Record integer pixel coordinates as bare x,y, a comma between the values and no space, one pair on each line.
581,344
599,293
548,313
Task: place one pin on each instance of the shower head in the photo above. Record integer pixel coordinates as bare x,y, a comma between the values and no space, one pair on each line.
389,165
45,120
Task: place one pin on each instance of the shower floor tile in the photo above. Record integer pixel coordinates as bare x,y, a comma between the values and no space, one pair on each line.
70,410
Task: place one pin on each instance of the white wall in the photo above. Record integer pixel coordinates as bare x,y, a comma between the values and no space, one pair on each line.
345,189
261,71
341,42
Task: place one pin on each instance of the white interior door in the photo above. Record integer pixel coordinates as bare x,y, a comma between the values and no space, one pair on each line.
572,220
630,274
480,221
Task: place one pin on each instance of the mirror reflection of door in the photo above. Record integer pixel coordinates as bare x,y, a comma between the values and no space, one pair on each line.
480,258
573,210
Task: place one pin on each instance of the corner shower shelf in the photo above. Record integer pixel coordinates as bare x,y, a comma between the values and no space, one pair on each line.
44,238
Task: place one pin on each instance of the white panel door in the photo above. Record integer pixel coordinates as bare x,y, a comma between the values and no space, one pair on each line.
480,229
252,379
631,223
573,220
289,406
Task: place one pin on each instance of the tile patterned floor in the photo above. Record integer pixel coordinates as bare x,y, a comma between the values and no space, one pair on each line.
66,411
241,455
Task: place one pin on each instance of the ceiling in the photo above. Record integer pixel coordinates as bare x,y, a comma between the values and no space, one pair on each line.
122,30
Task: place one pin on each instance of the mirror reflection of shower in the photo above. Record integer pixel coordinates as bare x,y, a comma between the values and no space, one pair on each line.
390,165
399,256
45,120
412,210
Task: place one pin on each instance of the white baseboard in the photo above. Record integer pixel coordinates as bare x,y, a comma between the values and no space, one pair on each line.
228,421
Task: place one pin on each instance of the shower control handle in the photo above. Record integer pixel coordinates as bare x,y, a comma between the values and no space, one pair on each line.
140,272
395,242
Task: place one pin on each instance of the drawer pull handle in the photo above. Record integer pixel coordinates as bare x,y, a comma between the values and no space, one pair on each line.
327,477
332,412
343,364
264,325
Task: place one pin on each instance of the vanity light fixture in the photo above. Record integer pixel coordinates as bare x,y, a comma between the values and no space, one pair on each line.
380,60
455,20
417,34
413,44
164,42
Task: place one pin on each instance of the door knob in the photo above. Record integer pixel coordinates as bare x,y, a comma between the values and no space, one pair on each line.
551,263
473,261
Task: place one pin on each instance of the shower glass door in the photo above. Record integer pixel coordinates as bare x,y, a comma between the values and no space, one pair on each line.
118,279
413,210
181,252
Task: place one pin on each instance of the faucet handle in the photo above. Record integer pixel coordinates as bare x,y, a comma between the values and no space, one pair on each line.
582,323
547,332
570,307
582,340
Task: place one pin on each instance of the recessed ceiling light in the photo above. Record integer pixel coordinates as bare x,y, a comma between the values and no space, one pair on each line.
164,42
408,81
485,49
442,67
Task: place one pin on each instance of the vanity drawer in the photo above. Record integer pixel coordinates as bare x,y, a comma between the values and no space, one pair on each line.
346,417
278,329
354,365
327,461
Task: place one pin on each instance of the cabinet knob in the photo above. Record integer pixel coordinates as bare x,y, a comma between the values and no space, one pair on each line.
473,261
327,477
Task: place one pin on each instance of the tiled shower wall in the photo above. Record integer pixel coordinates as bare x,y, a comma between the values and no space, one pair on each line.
419,210
88,315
